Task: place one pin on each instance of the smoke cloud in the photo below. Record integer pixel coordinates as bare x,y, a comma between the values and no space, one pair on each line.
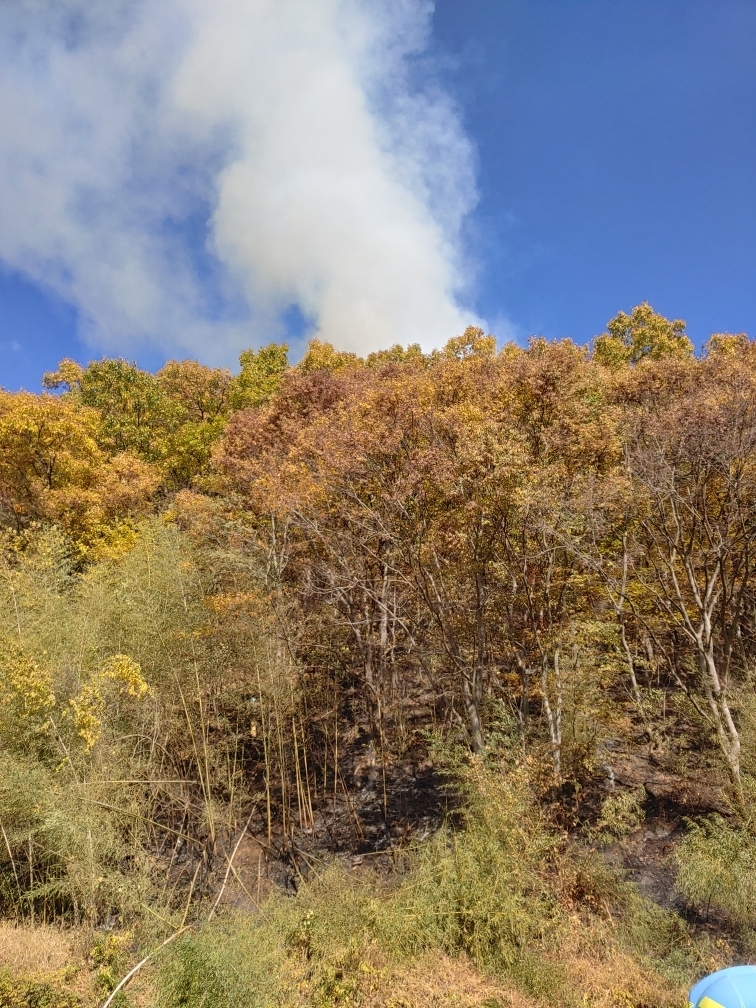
186,171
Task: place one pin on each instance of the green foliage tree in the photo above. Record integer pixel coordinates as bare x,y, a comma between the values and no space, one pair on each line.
171,419
132,407
260,375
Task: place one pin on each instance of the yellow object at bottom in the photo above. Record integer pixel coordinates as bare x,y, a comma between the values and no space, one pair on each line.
706,1002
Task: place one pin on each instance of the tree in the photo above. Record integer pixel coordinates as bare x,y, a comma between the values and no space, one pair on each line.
202,393
401,492
321,356
472,343
694,467
52,468
397,355
131,404
171,419
48,444
260,375
639,336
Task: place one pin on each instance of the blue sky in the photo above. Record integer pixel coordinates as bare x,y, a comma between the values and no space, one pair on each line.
617,158
615,151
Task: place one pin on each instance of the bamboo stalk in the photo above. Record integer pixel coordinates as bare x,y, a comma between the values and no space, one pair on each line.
264,725
13,865
307,777
297,774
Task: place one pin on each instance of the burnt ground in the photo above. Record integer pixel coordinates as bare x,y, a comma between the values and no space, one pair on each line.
370,823
644,856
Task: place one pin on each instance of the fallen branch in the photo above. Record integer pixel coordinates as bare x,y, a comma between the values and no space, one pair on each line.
132,972
219,897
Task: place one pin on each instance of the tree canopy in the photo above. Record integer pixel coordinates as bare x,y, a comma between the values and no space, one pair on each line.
276,597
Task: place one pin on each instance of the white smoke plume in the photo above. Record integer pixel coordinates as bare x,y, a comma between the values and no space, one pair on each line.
184,171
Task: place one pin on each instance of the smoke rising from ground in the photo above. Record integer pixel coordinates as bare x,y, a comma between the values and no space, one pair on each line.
184,171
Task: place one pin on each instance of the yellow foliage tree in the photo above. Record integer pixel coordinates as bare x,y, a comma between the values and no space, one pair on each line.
641,334
48,444
323,356
52,469
87,708
472,343
728,344
26,698
397,355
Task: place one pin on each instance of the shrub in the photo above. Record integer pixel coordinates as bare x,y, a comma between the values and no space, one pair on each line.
716,867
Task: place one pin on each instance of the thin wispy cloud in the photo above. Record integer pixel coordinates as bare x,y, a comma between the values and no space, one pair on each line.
183,171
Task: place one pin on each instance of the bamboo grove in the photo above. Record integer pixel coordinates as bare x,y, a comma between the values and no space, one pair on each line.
261,598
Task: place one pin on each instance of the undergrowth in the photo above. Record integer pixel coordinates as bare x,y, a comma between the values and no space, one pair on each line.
30,992
715,864
503,893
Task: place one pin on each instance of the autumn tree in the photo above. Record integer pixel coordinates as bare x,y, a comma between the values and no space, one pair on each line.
559,401
402,495
171,419
132,408
641,335
694,465
472,343
260,375
323,356
202,393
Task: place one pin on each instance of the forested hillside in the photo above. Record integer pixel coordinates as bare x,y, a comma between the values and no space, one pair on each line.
422,679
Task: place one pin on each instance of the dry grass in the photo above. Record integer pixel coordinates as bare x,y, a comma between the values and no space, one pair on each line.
25,949
608,976
438,981
59,959
618,982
